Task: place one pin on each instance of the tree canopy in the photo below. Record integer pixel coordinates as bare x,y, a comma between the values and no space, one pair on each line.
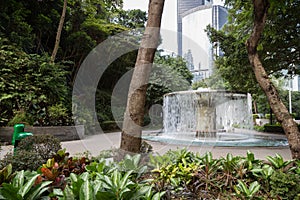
278,48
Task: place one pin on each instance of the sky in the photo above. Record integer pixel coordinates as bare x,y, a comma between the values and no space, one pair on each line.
143,4
135,4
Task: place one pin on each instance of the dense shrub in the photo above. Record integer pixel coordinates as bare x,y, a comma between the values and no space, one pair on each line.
32,152
109,126
273,128
29,85
22,160
44,145
255,116
285,185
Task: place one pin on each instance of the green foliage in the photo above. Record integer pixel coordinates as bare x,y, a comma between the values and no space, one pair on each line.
23,160
255,116
200,84
245,192
23,187
276,128
32,152
20,117
277,161
178,174
6,174
28,81
58,168
285,185
168,75
29,84
58,114
280,31
44,145
131,18
132,163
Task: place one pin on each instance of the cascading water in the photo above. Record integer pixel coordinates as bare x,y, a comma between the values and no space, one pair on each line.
211,117
205,112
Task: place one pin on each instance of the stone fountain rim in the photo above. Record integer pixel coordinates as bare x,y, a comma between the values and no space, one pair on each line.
240,94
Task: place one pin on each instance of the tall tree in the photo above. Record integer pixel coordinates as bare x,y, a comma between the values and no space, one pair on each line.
290,127
58,34
134,114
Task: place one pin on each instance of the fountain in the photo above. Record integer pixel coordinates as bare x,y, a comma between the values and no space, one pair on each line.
211,117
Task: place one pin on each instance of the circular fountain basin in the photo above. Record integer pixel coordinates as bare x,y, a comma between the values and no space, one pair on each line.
222,139
212,118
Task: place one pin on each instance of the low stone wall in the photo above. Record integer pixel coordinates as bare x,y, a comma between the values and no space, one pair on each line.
64,133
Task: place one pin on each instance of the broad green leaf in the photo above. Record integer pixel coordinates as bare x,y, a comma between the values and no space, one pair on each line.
116,178
84,176
136,159
86,191
125,179
243,187
8,191
97,184
254,187
18,180
158,195
58,192
38,190
68,193
27,186
73,177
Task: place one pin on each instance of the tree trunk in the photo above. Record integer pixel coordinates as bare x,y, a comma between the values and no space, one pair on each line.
281,112
59,29
134,114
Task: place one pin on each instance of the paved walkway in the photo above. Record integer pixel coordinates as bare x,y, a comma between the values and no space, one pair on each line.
96,143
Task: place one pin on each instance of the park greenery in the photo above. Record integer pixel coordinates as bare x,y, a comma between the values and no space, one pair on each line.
37,91
33,89
278,49
178,174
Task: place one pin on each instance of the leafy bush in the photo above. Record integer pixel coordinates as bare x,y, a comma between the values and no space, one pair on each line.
177,174
29,83
259,128
32,152
58,168
44,145
285,185
20,117
255,116
58,115
24,186
23,160
109,126
273,128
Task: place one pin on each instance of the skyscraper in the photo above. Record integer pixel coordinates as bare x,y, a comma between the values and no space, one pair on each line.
182,7
193,16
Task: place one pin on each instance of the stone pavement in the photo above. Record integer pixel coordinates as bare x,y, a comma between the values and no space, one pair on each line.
96,143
